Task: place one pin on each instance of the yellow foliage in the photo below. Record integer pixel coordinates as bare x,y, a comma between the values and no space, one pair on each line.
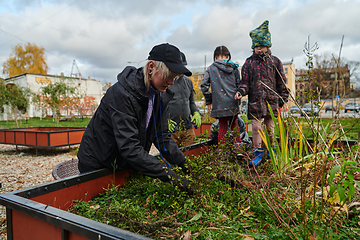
27,59
196,80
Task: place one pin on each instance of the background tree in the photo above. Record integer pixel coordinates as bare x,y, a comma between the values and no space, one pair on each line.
72,105
17,98
27,59
2,94
57,95
39,101
88,105
196,80
327,67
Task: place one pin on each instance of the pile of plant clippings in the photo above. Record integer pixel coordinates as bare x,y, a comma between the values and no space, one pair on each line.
229,201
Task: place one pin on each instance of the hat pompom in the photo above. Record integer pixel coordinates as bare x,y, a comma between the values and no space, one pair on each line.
261,36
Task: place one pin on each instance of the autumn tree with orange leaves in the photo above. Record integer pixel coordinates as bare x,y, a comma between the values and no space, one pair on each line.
196,80
88,105
27,59
57,95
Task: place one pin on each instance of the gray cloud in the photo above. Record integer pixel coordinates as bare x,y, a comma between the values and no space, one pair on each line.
104,36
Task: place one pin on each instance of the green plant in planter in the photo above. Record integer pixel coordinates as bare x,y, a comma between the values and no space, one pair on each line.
280,158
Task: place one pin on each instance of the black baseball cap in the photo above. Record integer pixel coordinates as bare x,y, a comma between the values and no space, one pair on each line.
170,55
183,58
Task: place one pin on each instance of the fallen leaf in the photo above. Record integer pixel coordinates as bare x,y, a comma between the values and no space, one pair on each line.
249,213
357,177
95,207
248,184
196,217
187,235
266,226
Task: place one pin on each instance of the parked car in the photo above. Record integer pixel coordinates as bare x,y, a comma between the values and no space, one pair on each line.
310,109
294,109
328,108
244,109
352,106
202,111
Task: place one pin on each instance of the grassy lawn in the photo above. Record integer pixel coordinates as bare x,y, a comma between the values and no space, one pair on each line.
326,127
36,122
350,126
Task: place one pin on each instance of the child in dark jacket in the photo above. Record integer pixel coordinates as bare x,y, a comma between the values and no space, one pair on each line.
182,110
223,78
263,80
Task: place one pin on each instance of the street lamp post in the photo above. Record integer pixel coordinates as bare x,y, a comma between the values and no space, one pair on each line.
138,63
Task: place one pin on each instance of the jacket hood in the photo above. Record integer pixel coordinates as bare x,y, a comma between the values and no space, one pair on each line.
222,65
132,79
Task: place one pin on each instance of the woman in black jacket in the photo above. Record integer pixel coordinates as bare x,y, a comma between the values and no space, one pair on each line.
131,116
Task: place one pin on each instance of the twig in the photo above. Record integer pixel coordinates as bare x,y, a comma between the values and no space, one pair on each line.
283,223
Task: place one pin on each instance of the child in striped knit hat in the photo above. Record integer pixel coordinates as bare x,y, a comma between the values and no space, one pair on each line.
263,80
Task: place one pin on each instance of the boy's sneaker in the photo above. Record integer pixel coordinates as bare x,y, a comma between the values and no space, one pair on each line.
258,154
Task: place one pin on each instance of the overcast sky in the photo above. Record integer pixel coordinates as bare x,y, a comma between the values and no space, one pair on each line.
104,36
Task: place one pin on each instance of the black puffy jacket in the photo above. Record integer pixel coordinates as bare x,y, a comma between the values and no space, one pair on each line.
117,135
182,104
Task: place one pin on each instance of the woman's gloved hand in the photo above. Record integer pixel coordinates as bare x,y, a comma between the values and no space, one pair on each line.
182,183
196,119
172,125
185,169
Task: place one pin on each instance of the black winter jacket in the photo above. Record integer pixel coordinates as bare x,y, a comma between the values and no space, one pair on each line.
182,105
117,136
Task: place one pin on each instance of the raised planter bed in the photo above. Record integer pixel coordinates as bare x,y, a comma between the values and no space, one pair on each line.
40,212
42,137
204,130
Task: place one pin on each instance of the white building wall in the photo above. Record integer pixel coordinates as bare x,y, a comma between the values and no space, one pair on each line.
35,82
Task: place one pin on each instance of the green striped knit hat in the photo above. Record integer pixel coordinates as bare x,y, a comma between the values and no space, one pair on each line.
261,36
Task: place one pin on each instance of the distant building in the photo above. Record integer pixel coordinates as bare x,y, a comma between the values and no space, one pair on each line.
86,87
289,70
328,82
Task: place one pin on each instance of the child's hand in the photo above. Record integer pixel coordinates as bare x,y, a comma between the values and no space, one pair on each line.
238,96
172,125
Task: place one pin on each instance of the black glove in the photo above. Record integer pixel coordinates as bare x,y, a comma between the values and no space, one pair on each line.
208,98
184,168
182,183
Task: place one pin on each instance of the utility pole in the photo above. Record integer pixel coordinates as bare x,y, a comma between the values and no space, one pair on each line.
78,70
205,65
335,84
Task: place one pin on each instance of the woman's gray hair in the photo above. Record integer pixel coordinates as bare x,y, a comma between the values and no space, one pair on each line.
159,66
